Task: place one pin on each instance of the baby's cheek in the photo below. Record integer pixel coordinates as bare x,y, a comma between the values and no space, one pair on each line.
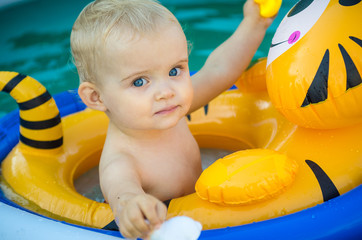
189,95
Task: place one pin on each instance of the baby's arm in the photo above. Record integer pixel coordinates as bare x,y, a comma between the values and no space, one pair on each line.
136,212
226,63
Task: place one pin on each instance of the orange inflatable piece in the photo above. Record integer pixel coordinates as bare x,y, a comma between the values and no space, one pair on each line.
261,174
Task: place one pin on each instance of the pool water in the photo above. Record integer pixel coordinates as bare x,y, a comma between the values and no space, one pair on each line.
35,36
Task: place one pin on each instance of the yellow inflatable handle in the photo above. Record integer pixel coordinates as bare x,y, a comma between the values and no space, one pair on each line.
269,8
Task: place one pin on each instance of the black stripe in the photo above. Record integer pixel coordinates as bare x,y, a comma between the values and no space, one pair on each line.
35,125
328,188
206,109
348,3
35,102
42,144
356,40
112,226
353,76
299,7
13,83
317,91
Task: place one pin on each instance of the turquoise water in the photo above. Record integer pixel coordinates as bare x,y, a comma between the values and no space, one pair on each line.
35,36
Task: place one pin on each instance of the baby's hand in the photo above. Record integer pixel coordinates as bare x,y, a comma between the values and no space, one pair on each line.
141,215
252,11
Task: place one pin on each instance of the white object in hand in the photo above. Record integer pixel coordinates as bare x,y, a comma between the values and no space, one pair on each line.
178,228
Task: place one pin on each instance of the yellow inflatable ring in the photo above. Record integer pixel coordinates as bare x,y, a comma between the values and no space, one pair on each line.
53,152
215,126
58,151
315,147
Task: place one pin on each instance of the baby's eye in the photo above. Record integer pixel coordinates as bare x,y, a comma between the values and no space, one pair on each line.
174,72
139,82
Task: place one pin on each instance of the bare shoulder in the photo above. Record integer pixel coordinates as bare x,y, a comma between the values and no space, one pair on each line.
118,171
112,155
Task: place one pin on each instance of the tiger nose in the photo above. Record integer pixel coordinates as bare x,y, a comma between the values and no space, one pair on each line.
294,37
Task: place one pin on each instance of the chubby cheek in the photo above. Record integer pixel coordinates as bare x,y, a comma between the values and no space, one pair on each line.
187,94
127,112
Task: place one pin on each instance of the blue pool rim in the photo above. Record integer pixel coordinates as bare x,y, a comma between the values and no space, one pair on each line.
338,218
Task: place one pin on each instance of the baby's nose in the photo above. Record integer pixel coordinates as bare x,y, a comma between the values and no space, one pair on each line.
164,91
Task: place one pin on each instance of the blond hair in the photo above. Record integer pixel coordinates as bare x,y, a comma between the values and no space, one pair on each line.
103,18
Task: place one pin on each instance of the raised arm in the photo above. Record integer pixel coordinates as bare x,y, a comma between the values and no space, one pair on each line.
226,63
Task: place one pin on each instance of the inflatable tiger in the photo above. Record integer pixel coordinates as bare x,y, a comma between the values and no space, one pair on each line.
314,64
313,79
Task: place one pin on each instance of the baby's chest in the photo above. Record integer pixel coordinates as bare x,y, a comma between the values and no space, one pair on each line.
169,181
171,173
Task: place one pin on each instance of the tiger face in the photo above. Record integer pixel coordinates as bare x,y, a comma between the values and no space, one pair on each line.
314,64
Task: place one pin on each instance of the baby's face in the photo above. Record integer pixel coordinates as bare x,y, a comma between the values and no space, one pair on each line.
145,81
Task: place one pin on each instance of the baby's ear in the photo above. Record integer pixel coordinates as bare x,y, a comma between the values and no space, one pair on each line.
91,97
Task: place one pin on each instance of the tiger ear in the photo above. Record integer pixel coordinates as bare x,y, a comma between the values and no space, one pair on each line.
91,96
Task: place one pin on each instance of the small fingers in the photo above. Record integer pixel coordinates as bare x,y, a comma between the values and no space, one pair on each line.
161,211
154,211
141,216
133,224
127,231
151,215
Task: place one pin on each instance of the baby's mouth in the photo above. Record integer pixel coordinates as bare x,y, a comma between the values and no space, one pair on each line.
167,110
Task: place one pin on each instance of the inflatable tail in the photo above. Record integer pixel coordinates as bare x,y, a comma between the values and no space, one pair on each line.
40,122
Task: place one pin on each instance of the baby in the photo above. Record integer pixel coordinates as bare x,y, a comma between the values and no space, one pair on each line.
132,60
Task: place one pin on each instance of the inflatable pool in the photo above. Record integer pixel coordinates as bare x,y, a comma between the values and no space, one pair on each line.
300,177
